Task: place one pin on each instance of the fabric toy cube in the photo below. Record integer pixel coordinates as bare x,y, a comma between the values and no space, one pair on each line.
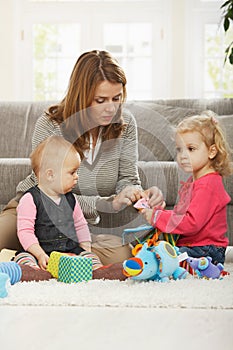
73,269
53,263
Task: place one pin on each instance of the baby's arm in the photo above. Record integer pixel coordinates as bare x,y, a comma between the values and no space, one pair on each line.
40,255
81,227
26,216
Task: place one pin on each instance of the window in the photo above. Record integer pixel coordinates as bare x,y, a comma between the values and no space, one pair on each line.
218,77
167,50
53,57
55,35
206,74
131,44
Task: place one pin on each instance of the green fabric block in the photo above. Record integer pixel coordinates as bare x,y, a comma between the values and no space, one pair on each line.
73,269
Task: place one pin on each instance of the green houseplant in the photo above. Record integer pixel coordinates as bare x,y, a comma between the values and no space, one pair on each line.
227,21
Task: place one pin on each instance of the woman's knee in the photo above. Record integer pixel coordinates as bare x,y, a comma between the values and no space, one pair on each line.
8,228
109,249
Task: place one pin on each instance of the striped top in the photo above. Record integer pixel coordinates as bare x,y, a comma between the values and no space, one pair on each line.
114,167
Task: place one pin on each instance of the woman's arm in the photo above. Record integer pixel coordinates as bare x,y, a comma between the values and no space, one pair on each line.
128,163
44,128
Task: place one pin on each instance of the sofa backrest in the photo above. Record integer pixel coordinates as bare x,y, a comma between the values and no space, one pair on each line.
17,124
154,119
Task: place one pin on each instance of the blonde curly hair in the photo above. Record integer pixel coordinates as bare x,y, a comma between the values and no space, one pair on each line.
208,126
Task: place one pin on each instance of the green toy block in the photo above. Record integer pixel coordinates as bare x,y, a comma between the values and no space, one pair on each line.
54,263
73,269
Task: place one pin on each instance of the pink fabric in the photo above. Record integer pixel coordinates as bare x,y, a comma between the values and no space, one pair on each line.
26,216
200,216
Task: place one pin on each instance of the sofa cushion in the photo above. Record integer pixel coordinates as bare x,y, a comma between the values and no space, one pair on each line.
18,119
226,121
155,129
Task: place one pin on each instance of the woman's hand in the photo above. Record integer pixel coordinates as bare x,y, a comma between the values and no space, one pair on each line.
128,196
154,197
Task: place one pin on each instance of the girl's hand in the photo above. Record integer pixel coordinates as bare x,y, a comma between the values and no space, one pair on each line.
126,197
154,197
147,213
43,260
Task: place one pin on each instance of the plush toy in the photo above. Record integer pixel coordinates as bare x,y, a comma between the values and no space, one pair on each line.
204,267
4,284
156,261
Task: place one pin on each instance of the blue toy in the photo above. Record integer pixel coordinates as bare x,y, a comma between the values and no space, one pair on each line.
4,284
204,267
156,261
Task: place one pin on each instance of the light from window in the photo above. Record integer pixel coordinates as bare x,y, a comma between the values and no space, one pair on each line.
56,48
218,77
131,45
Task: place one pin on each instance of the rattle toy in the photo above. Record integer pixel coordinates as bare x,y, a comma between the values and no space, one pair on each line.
154,260
204,267
4,284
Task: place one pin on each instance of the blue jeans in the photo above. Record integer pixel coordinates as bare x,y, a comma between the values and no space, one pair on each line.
216,253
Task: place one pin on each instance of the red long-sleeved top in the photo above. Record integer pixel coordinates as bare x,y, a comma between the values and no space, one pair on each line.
200,216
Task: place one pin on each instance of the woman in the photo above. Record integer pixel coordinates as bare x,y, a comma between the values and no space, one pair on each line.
91,116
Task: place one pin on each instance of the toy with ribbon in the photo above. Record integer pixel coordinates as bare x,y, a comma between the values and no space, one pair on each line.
154,260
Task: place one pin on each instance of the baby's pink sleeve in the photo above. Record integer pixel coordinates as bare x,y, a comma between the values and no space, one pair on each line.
80,224
26,216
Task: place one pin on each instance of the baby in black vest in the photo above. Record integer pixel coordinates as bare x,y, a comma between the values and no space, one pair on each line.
49,217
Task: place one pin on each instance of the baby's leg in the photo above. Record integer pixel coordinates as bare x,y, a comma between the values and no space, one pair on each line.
26,258
108,272
96,263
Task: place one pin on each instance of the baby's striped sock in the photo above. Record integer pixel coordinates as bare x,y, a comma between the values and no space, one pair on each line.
96,263
25,258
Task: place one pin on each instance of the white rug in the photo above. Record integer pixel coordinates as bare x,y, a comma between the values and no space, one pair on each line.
190,293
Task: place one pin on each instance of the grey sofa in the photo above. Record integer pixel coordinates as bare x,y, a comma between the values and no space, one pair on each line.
156,150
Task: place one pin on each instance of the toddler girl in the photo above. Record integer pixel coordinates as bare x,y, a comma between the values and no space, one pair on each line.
200,216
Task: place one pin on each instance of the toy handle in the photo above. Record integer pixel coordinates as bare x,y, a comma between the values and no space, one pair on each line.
136,229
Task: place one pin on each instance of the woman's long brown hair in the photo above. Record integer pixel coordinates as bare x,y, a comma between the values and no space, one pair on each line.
90,70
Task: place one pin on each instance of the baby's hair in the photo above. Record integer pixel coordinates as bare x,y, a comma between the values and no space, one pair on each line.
52,149
208,126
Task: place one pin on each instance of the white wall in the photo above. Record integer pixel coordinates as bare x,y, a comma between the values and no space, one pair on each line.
7,55
178,49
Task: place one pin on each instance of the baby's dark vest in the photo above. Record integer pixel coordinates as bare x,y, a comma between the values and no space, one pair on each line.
54,225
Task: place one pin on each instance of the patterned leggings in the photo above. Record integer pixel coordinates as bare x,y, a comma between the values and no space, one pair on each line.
26,258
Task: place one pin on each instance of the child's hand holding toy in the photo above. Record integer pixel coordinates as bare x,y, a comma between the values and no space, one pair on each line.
143,206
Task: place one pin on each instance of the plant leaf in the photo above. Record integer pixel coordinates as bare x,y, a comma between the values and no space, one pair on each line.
225,4
230,13
231,56
226,24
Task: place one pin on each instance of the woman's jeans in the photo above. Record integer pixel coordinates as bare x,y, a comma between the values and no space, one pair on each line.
216,253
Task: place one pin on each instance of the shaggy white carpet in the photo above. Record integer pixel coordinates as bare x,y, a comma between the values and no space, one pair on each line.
190,293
